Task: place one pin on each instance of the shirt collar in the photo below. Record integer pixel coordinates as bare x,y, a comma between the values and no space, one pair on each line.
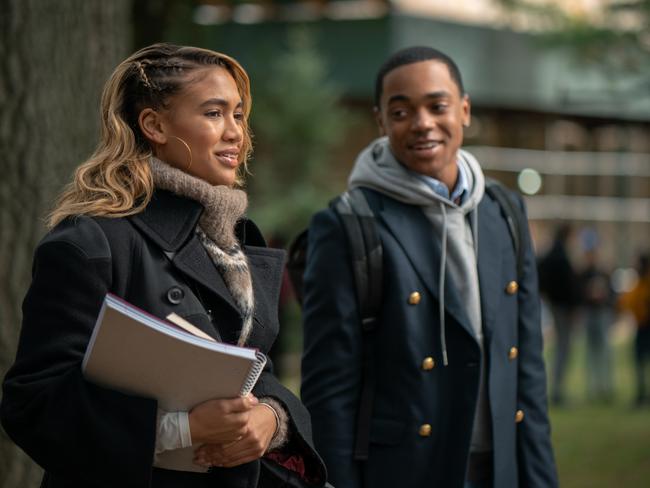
459,192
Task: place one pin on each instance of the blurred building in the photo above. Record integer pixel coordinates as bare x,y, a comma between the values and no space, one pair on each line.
581,132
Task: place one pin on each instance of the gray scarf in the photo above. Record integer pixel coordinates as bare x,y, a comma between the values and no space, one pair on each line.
223,207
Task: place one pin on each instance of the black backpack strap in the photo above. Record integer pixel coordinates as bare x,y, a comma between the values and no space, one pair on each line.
367,264
514,217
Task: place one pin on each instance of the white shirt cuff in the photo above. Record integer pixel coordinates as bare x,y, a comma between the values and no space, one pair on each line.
173,431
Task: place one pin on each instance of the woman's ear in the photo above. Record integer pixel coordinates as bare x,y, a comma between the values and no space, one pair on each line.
152,126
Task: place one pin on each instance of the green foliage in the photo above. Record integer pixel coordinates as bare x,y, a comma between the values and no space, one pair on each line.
618,38
299,127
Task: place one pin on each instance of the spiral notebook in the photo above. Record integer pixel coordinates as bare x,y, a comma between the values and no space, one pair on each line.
137,353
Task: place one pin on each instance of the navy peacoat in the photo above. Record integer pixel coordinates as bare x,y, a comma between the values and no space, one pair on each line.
87,436
423,411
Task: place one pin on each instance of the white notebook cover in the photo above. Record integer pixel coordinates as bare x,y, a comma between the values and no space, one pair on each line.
137,353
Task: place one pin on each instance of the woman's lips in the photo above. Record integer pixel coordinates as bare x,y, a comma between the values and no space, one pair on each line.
228,158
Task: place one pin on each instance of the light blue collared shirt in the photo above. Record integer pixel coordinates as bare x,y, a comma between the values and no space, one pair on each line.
460,191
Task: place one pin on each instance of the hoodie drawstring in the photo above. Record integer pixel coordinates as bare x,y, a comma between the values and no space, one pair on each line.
475,231
441,285
443,272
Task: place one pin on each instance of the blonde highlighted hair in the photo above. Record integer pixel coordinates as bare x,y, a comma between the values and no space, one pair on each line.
116,180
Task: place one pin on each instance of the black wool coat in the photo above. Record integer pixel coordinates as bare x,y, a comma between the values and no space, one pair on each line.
84,435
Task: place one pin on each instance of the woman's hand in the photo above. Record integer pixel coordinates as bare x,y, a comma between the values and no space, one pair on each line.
221,421
260,429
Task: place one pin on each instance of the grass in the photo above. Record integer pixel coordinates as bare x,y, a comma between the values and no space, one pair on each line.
599,446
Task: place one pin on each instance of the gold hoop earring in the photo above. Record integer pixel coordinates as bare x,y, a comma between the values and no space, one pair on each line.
189,165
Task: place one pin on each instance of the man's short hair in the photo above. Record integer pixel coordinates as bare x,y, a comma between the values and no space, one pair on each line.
411,55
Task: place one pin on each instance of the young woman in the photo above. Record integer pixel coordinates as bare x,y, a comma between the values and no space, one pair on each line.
155,216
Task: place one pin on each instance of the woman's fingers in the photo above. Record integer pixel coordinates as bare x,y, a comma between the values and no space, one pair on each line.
219,421
239,453
248,439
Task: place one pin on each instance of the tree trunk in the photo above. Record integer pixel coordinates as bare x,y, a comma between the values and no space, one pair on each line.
54,59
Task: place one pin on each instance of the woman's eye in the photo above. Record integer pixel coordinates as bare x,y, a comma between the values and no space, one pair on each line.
239,115
213,113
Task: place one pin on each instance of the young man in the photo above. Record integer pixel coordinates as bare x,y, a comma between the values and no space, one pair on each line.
460,391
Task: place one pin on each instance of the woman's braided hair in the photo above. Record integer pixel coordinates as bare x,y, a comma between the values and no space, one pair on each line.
116,180
160,71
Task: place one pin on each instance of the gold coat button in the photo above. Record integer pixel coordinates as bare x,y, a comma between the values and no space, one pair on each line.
414,298
519,416
512,288
428,363
513,353
425,430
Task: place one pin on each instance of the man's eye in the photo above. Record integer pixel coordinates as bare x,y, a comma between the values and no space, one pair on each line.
398,114
438,107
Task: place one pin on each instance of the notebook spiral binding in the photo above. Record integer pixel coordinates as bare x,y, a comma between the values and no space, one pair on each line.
253,374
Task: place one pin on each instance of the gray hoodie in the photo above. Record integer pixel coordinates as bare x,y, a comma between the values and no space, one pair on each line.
457,228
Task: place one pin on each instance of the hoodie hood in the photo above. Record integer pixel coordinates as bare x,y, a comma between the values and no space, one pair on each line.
377,168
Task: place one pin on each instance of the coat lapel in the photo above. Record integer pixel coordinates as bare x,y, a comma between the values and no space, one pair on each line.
490,236
193,260
170,220
421,244
266,266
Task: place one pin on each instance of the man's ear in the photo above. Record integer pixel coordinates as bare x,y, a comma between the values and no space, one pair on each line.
152,126
380,123
467,110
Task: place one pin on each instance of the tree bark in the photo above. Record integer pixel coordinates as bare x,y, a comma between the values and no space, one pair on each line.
54,59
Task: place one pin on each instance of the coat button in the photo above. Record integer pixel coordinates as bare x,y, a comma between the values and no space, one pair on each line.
519,416
425,430
414,298
512,288
513,353
428,363
175,295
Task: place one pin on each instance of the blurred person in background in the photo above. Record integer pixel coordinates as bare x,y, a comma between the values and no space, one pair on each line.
558,283
156,216
459,389
597,302
637,301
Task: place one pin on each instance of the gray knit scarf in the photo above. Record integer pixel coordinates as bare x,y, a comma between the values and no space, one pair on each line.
223,207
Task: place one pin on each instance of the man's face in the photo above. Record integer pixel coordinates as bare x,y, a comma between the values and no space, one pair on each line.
423,112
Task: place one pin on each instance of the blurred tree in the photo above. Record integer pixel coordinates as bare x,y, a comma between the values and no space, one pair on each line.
299,125
55,57
616,35
155,20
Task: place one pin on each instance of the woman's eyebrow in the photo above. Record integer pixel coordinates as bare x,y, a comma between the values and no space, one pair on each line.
220,102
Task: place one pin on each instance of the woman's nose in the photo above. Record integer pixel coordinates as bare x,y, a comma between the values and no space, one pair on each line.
233,131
